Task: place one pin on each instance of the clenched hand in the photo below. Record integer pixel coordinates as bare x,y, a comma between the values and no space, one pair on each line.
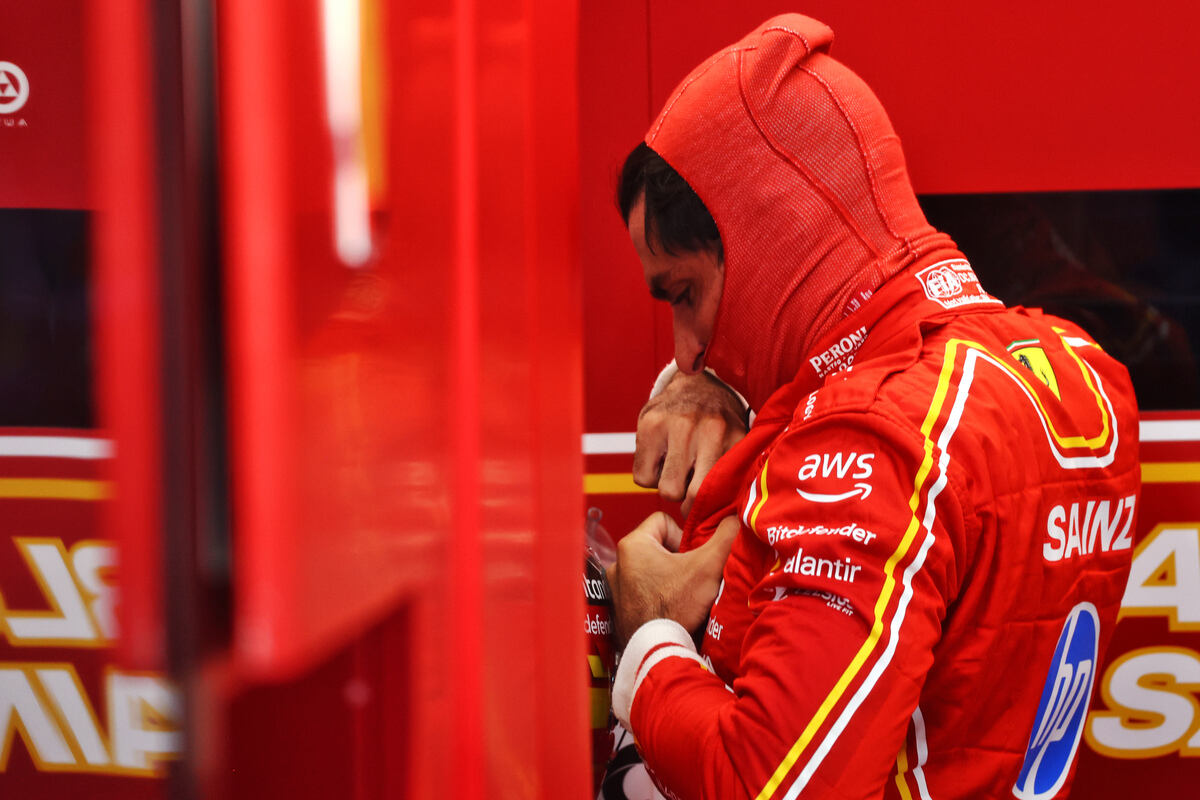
652,580
682,432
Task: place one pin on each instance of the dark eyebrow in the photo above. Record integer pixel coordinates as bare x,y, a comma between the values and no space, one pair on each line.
657,290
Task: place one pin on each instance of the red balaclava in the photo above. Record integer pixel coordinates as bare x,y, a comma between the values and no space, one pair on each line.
800,168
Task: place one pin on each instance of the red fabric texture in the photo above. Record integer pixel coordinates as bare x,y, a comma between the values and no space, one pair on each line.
798,163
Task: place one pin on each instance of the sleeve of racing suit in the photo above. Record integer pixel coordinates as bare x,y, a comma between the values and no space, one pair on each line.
859,531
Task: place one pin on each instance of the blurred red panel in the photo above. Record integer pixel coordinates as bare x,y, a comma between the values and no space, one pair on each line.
405,434
325,464
126,312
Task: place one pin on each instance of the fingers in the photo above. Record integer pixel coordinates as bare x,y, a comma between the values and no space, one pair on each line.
717,548
663,454
645,572
704,568
722,541
673,481
661,528
682,432
650,447
648,582
707,562
674,534
711,444
734,434
695,480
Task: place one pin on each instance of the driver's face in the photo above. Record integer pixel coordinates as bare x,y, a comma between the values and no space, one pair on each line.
690,282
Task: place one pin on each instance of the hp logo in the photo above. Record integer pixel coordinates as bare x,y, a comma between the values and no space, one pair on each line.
1063,708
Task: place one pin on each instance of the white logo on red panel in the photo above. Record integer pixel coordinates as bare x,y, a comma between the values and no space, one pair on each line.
14,88
952,284
819,497
839,466
839,355
1079,529
942,283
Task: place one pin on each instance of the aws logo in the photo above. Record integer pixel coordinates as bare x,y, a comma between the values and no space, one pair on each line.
837,465
1063,707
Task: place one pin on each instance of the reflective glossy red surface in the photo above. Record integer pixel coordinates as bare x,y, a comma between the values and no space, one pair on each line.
406,433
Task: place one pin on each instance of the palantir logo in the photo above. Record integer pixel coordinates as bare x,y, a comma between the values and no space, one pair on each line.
14,88
1063,708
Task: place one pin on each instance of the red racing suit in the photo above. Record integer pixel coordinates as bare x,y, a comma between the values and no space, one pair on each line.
937,518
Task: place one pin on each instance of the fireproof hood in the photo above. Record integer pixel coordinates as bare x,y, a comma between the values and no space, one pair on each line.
800,168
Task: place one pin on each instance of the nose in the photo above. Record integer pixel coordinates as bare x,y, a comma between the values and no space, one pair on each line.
689,351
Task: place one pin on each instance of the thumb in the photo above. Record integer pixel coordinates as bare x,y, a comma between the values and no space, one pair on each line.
671,533
714,552
660,527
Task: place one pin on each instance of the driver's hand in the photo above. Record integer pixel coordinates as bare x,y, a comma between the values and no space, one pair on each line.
682,432
652,580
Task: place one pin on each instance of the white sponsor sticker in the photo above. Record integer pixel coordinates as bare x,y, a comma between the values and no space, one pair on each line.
952,284
782,533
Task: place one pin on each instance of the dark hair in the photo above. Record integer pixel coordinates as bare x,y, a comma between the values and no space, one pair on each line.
675,215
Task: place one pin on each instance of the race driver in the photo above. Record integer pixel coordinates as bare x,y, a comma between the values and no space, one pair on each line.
903,577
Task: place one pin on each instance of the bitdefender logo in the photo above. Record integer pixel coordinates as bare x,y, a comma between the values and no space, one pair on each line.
14,88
